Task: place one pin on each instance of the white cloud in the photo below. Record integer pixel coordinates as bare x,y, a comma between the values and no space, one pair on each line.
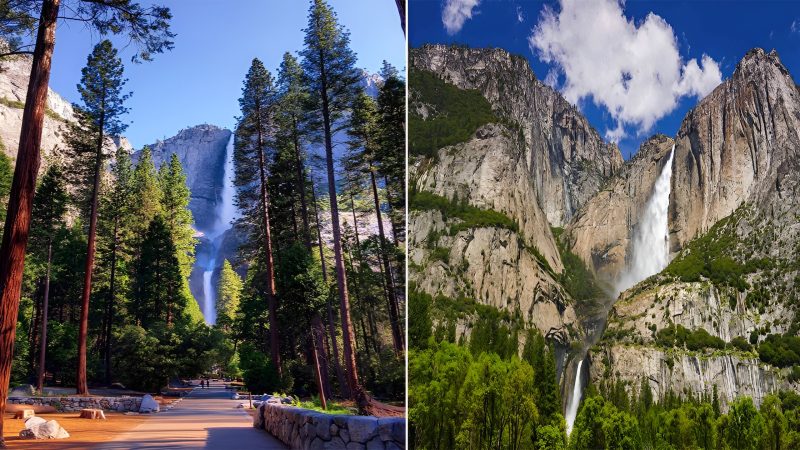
795,27
634,70
520,17
456,12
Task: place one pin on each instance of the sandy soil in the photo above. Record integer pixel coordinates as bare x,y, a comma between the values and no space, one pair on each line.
84,433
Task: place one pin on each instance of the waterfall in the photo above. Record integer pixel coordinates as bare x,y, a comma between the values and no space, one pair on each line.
225,213
649,251
577,390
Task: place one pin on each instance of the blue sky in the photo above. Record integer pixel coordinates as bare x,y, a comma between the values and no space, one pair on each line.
682,31
200,80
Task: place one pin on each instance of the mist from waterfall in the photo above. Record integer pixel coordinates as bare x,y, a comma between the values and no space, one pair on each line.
649,251
577,390
225,213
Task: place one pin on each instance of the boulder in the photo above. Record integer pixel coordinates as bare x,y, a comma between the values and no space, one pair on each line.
149,405
23,390
38,428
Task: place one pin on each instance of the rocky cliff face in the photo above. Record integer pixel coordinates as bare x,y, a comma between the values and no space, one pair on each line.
493,265
734,228
489,172
14,75
737,145
601,231
201,151
565,157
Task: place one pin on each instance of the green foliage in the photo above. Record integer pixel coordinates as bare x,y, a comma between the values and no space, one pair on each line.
229,291
576,278
470,216
678,336
260,375
6,176
454,114
158,288
709,256
420,325
458,400
175,206
780,350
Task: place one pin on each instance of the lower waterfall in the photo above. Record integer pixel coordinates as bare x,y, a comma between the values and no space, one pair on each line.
577,390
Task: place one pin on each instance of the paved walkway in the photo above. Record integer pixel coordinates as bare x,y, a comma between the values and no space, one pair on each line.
206,418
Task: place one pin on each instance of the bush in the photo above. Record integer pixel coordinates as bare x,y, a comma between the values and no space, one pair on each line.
741,343
470,216
679,336
780,350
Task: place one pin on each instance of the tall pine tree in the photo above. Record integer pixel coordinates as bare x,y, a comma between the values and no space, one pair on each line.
254,133
329,67
47,218
148,29
363,143
101,90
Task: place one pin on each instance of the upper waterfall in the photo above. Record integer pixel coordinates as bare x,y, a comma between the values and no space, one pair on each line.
649,250
225,213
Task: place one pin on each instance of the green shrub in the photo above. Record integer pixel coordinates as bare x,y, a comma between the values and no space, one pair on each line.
780,350
470,216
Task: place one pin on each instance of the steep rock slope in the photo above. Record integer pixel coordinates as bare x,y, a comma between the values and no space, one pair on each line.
510,269
565,157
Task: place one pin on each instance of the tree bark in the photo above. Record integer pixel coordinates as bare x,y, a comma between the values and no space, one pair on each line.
274,344
344,387
397,334
401,9
45,303
23,186
82,387
395,226
301,185
316,346
356,391
110,306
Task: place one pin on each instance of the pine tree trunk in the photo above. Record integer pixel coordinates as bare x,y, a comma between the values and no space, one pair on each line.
317,330
301,186
343,383
356,391
45,303
401,9
82,387
20,201
33,331
392,221
271,301
397,334
110,306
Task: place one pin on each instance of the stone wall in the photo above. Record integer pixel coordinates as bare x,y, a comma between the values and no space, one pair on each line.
305,429
120,404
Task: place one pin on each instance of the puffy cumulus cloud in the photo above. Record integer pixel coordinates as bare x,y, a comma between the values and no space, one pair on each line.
456,12
633,70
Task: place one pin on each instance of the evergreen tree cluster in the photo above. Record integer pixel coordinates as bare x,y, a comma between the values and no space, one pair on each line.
315,314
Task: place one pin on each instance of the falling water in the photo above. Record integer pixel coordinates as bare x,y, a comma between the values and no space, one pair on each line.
225,213
649,255
650,246
577,390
